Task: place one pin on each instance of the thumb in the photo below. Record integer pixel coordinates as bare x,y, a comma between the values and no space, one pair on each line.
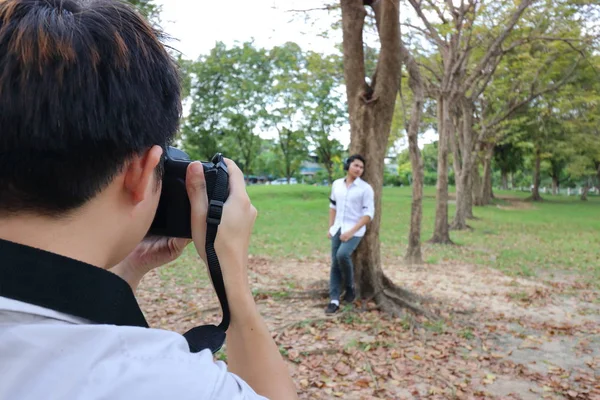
196,188
177,245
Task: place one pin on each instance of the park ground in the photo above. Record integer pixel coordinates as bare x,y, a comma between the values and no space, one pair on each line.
518,299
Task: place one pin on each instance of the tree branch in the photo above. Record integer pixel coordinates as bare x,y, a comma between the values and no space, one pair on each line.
533,95
438,11
387,14
432,31
493,49
353,19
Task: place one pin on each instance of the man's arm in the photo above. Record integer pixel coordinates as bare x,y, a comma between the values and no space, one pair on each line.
332,213
251,351
332,210
344,237
365,219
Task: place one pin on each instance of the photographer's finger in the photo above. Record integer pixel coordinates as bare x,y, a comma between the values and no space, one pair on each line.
196,188
237,185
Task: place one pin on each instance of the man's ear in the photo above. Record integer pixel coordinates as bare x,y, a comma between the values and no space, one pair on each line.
140,173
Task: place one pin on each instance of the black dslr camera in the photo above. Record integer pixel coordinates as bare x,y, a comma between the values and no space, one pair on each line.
173,215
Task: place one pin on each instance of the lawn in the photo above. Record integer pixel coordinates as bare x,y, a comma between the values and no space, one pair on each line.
521,238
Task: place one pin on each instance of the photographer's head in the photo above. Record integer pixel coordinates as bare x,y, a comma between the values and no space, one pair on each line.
355,166
89,97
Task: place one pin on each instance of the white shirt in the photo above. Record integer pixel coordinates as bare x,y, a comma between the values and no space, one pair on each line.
48,355
351,204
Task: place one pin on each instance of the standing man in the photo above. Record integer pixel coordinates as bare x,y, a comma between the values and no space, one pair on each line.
351,209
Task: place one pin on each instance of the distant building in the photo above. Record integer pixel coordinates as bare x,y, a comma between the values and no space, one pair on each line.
310,168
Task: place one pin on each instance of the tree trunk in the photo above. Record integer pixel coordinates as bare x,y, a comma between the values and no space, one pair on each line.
441,232
487,194
535,194
477,188
413,252
329,168
584,192
371,108
555,185
504,180
463,196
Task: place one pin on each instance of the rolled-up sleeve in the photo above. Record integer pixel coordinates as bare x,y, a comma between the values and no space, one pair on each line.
368,202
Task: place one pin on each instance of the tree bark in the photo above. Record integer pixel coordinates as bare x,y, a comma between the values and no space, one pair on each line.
463,196
487,194
535,194
413,252
504,180
371,108
477,186
441,233
584,192
555,185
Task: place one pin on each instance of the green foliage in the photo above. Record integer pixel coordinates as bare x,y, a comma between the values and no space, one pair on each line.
323,109
241,92
147,8
229,92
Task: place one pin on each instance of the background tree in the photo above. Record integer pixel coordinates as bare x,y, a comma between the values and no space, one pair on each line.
508,159
323,108
148,8
229,96
286,99
371,108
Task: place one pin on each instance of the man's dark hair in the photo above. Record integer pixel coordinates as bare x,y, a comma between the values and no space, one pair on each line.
84,86
354,157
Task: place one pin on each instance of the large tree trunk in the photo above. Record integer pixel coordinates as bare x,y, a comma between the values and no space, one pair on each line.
584,191
555,185
441,231
487,194
535,194
463,196
413,252
371,108
477,182
504,180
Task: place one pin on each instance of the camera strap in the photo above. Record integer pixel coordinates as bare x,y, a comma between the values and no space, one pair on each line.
211,336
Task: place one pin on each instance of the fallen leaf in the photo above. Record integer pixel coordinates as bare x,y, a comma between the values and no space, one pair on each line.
342,368
363,383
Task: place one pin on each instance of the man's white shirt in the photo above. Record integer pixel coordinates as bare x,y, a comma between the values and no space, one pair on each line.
351,204
49,355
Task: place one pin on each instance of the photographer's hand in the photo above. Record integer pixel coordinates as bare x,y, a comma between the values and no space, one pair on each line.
151,253
251,351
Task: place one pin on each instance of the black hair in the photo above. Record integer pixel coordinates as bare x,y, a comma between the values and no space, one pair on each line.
84,86
354,157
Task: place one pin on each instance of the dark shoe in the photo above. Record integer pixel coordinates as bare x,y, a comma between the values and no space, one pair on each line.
332,308
349,297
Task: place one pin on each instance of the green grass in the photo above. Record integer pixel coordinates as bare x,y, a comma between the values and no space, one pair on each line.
557,236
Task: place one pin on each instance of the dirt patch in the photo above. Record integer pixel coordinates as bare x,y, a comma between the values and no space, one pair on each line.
513,203
499,337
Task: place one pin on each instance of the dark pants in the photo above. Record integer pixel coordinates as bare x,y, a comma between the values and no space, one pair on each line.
341,265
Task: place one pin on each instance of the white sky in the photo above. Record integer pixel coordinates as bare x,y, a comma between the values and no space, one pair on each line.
197,25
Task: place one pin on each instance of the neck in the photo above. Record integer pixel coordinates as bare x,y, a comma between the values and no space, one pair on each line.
82,236
350,178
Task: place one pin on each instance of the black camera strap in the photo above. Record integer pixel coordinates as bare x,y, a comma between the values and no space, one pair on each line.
211,336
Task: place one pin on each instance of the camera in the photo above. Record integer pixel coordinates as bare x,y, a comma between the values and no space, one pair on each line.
173,215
